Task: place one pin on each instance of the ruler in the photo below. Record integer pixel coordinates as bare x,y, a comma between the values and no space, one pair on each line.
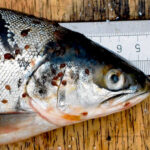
130,39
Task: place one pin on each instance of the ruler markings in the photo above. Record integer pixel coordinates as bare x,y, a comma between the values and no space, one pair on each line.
130,39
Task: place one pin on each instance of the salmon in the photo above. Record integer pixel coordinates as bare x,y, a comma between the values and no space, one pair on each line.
51,77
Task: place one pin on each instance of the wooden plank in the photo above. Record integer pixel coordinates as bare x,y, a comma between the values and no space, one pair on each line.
129,129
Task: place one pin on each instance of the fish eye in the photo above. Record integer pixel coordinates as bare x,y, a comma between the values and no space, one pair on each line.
114,79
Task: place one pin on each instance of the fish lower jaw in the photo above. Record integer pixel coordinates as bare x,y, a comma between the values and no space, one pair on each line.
104,110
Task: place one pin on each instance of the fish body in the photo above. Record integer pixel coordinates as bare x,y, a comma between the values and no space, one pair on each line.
51,77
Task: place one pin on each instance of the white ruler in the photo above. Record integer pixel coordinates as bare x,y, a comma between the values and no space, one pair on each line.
130,39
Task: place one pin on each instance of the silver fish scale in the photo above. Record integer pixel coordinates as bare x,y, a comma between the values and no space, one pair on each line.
28,36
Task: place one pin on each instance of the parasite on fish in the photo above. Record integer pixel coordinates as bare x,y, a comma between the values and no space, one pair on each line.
51,77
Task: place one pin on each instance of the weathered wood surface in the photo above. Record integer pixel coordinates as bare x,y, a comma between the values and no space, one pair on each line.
129,129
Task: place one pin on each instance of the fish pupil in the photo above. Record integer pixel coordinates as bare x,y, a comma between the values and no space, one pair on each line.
114,78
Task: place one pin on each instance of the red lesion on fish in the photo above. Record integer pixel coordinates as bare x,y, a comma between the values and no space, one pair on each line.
8,56
55,78
60,74
24,95
4,101
128,104
62,66
87,71
54,83
25,32
7,87
27,47
17,51
64,82
84,113
71,117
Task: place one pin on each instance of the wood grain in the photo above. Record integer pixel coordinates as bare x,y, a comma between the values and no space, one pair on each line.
129,129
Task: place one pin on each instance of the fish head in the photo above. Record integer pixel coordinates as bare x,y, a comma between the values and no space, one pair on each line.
85,81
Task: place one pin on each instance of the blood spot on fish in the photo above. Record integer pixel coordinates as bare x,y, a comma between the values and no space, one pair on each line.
71,117
84,113
54,83
60,74
64,82
8,56
87,71
55,78
127,104
25,32
62,66
4,101
27,47
24,95
7,87
17,51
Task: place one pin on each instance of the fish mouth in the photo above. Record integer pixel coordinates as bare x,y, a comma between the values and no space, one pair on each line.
125,100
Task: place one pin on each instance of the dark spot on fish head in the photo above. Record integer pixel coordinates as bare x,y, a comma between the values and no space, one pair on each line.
27,47
19,82
24,95
42,91
84,113
7,87
8,56
64,82
87,71
54,83
62,66
25,32
4,101
53,71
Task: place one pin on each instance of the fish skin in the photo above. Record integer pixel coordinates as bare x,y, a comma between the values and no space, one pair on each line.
52,77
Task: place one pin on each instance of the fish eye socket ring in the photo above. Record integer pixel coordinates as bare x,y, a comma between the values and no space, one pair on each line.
114,79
